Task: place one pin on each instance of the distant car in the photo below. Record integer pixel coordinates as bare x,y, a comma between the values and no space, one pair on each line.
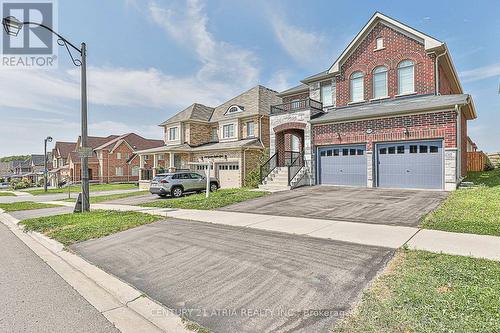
178,183
4,185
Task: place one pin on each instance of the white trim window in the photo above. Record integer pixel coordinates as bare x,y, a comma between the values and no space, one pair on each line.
119,171
173,134
160,157
406,77
118,156
379,43
234,109
135,170
357,87
326,94
250,129
228,131
380,82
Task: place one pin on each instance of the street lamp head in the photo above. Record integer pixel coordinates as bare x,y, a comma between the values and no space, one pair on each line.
11,25
49,139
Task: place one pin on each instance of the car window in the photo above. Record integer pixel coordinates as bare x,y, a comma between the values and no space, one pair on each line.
196,176
184,176
158,178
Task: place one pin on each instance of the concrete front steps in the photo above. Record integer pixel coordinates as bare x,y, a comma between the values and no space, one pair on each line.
276,181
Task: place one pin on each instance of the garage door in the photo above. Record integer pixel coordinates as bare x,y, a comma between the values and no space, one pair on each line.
229,175
410,165
343,165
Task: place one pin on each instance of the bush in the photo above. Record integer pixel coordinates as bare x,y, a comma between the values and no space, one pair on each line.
20,185
252,179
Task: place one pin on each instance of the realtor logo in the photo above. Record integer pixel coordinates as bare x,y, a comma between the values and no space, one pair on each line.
30,45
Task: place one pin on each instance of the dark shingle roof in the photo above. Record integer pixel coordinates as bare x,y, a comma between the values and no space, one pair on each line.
300,88
64,148
392,107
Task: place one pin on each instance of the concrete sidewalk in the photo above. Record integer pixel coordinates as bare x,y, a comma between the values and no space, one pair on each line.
481,246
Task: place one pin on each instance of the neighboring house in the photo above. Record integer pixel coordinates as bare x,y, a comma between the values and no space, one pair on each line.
5,170
60,171
233,136
31,168
471,145
389,112
117,158
74,159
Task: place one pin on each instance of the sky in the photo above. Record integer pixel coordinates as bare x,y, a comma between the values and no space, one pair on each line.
149,59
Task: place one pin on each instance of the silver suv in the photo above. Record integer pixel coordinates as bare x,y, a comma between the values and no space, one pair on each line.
180,182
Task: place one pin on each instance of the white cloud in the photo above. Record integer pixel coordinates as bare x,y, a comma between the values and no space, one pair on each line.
306,48
279,81
480,73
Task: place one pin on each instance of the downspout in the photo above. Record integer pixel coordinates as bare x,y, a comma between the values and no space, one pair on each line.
436,70
260,128
459,142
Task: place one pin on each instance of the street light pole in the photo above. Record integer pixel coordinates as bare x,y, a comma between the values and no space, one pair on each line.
47,139
85,159
12,27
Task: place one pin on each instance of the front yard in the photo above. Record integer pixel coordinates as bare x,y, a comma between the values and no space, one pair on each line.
216,199
473,210
73,228
426,292
77,188
24,205
6,194
102,198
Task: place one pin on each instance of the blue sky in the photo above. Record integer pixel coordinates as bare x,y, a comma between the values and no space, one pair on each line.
150,59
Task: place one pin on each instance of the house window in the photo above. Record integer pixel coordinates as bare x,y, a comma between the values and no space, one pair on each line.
379,43
380,82
406,80
127,156
213,134
234,109
119,171
228,131
146,157
160,157
173,133
357,87
250,129
326,95
118,156
135,170
295,104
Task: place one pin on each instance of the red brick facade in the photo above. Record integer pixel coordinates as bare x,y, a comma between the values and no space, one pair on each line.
420,126
397,47
110,165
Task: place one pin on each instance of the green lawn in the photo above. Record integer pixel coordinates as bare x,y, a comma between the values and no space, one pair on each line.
77,188
101,198
6,194
472,210
216,199
24,205
73,228
426,292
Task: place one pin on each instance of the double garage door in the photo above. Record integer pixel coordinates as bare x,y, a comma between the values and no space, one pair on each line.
398,165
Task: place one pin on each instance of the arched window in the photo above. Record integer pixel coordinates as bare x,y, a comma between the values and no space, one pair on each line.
380,82
357,87
406,77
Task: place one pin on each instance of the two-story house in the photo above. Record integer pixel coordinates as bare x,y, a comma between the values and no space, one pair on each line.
233,136
60,171
389,112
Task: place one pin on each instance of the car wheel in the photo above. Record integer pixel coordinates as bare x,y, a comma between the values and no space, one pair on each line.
213,187
177,192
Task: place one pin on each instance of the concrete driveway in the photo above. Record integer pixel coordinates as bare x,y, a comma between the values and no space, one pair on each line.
233,279
367,205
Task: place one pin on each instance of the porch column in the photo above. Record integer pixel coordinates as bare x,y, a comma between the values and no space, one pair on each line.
141,166
155,164
171,160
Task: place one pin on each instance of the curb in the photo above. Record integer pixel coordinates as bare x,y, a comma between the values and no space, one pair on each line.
123,305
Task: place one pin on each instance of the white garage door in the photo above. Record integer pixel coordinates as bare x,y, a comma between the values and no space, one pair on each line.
229,175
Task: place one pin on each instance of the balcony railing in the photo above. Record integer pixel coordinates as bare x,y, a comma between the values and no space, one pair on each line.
298,105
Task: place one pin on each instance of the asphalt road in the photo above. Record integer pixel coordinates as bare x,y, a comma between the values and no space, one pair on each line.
352,204
33,298
233,279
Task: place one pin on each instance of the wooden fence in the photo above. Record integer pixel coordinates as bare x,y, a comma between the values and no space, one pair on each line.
476,160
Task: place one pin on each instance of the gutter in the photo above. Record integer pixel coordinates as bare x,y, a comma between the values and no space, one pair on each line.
459,142
436,71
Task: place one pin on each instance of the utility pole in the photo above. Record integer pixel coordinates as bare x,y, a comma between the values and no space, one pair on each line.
85,152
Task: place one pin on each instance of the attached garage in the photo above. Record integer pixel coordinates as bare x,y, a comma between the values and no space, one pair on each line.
417,164
229,175
342,165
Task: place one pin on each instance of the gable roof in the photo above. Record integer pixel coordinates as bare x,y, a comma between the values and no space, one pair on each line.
195,111
37,159
294,90
136,142
429,42
96,141
64,148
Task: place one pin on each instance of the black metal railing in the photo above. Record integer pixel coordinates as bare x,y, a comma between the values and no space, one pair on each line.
298,105
268,167
294,167
289,157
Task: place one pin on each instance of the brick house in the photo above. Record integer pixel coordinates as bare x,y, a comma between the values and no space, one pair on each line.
117,158
389,112
233,136
60,170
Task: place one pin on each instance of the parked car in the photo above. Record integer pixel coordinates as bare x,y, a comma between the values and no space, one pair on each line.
4,185
178,183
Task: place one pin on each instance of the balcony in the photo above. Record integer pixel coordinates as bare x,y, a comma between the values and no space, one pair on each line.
298,105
